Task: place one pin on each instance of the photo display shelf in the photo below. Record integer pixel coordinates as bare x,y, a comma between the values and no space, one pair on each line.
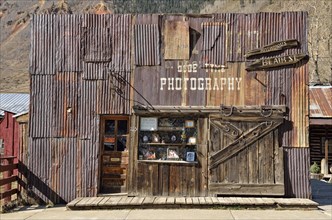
167,140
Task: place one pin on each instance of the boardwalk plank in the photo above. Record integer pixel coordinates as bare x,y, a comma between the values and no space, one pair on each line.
195,200
180,200
160,200
215,200
125,201
75,201
222,201
103,201
113,201
85,201
189,201
208,201
170,200
137,201
148,200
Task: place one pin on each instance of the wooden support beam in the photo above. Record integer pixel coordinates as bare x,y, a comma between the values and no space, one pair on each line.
8,180
8,193
10,167
242,142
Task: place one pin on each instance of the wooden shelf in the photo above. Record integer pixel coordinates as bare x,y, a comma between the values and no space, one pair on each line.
170,128
169,144
168,161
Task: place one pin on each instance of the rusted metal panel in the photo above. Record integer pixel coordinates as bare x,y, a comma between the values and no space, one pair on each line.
68,45
95,70
176,37
147,47
87,115
320,101
43,45
120,34
214,49
41,106
297,163
97,44
114,94
66,107
121,44
38,170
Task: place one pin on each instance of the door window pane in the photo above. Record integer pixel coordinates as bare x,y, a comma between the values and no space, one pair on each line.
122,127
121,143
109,127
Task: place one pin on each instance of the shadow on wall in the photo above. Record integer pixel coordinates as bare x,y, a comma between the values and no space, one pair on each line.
35,184
321,192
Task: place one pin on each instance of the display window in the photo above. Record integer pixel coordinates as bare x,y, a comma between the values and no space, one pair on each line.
167,139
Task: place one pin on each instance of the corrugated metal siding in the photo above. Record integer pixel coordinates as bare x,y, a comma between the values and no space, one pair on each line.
214,43
97,44
146,37
43,45
68,45
121,43
67,96
95,70
41,106
297,164
320,101
66,107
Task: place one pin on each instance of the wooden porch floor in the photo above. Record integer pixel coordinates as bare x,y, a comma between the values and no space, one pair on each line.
125,202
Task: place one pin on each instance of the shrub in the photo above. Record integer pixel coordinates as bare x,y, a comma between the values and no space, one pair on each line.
315,168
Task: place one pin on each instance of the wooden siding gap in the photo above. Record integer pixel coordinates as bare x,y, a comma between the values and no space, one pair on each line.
170,200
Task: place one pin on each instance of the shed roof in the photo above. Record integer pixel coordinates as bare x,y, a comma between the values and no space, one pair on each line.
14,102
320,101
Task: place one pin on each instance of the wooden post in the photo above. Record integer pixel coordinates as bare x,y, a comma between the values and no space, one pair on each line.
9,173
326,171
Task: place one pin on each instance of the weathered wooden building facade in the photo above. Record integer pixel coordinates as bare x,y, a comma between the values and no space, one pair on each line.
166,105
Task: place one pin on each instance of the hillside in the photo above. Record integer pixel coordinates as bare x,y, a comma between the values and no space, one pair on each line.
15,27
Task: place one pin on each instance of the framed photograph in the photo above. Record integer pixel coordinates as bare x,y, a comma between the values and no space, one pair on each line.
189,123
190,156
173,153
149,124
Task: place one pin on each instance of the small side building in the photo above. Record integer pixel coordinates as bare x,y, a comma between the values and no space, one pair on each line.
12,106
320,123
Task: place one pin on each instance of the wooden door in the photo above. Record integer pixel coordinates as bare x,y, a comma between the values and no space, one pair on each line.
244,153
114,162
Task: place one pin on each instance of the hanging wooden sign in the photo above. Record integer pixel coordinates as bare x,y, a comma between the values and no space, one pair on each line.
273,47
275,62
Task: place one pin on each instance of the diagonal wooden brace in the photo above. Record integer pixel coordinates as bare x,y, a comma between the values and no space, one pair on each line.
242,142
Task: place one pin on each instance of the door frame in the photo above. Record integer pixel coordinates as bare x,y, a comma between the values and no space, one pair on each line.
102,120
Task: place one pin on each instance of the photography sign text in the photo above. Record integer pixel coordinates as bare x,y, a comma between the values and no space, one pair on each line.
199,83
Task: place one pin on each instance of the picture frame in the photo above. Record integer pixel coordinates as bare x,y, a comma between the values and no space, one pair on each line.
189,123
149,124
173,153
190,157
